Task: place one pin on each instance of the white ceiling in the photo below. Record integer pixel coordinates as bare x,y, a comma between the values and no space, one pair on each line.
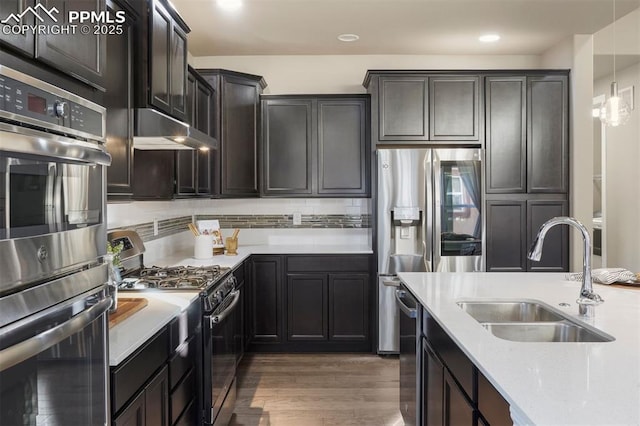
410,27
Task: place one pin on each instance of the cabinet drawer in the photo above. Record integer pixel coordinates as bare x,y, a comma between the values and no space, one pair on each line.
345,263
131,375
182,396
182,361
462,369
189,417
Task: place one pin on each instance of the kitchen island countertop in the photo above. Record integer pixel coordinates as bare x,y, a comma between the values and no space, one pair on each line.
545,383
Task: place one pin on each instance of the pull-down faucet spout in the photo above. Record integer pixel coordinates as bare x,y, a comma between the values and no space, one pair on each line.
587,298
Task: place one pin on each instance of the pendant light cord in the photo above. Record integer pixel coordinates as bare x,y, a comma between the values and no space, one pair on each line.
614,40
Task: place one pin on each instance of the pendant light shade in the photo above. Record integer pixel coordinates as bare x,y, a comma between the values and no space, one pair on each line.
615,111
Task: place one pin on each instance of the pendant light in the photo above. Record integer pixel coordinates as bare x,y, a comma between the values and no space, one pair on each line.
614,111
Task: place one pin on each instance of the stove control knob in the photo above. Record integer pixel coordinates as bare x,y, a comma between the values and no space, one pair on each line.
61,109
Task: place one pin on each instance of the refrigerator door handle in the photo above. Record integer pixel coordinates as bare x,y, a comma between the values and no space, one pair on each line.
427,225
437,212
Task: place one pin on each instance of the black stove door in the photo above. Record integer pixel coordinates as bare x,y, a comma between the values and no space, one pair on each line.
219,356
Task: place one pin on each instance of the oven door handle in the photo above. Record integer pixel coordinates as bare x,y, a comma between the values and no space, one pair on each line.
217,319
26,349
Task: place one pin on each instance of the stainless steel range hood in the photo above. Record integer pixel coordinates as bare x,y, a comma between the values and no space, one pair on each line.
156,130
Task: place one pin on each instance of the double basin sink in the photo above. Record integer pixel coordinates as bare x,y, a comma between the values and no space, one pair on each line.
530,321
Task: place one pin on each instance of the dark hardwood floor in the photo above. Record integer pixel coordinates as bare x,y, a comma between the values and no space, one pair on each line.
317,389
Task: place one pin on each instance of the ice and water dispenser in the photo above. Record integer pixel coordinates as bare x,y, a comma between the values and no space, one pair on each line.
407,244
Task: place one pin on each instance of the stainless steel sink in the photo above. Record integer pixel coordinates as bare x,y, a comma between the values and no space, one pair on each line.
516,311
530,321
563,331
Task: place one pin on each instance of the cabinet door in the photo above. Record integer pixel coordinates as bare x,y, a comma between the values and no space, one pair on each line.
186,172
154,172
84,56
178,72
403,108
349,306
203,168
134,414
160,57
190,107
156,397
25,42
458,411
239,137
506,236
343,166
506,135
287,143
491,404
432,387
307,307
454,108
203,108
555,253
248,300
119,102
547,134
267,298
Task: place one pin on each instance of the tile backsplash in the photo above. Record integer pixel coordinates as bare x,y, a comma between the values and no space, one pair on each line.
172,217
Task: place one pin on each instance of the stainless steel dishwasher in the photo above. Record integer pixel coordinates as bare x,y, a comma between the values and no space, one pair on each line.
409,361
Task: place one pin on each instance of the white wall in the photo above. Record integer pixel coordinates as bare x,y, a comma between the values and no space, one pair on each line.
345,74
622,178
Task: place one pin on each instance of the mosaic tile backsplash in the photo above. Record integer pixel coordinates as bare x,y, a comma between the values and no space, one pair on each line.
172,226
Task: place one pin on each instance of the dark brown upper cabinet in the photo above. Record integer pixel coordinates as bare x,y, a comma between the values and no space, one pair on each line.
527,132
193,167
119,103
419,107
161,58
24,43
315,146
287,146
234,118
454,108
548,134
82,56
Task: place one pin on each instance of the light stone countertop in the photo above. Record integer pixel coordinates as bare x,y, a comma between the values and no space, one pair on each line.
130,334
545,383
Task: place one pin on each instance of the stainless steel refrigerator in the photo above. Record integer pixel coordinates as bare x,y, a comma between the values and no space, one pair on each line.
429,218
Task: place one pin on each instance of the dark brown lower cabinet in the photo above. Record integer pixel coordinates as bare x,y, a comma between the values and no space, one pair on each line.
307,307
349,307
266,271
151,406
311,303
454,392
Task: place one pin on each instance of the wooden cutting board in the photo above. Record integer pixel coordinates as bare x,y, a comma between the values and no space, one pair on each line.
626,286
127,306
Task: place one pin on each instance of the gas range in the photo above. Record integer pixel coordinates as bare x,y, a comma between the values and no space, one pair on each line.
176,278
212,283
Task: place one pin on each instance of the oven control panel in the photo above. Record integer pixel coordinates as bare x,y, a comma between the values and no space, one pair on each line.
26,100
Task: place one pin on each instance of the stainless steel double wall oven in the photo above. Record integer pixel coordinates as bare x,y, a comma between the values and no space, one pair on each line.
53,303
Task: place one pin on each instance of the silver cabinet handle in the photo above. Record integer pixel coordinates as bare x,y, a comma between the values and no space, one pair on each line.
391,283
216,319
26,349
411,313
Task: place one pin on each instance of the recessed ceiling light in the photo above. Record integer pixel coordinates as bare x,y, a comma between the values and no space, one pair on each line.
348,37
489,38
230,4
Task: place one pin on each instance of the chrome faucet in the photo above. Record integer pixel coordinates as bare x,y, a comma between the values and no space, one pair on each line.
588,299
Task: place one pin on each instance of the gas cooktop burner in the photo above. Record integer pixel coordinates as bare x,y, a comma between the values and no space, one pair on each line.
174,278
